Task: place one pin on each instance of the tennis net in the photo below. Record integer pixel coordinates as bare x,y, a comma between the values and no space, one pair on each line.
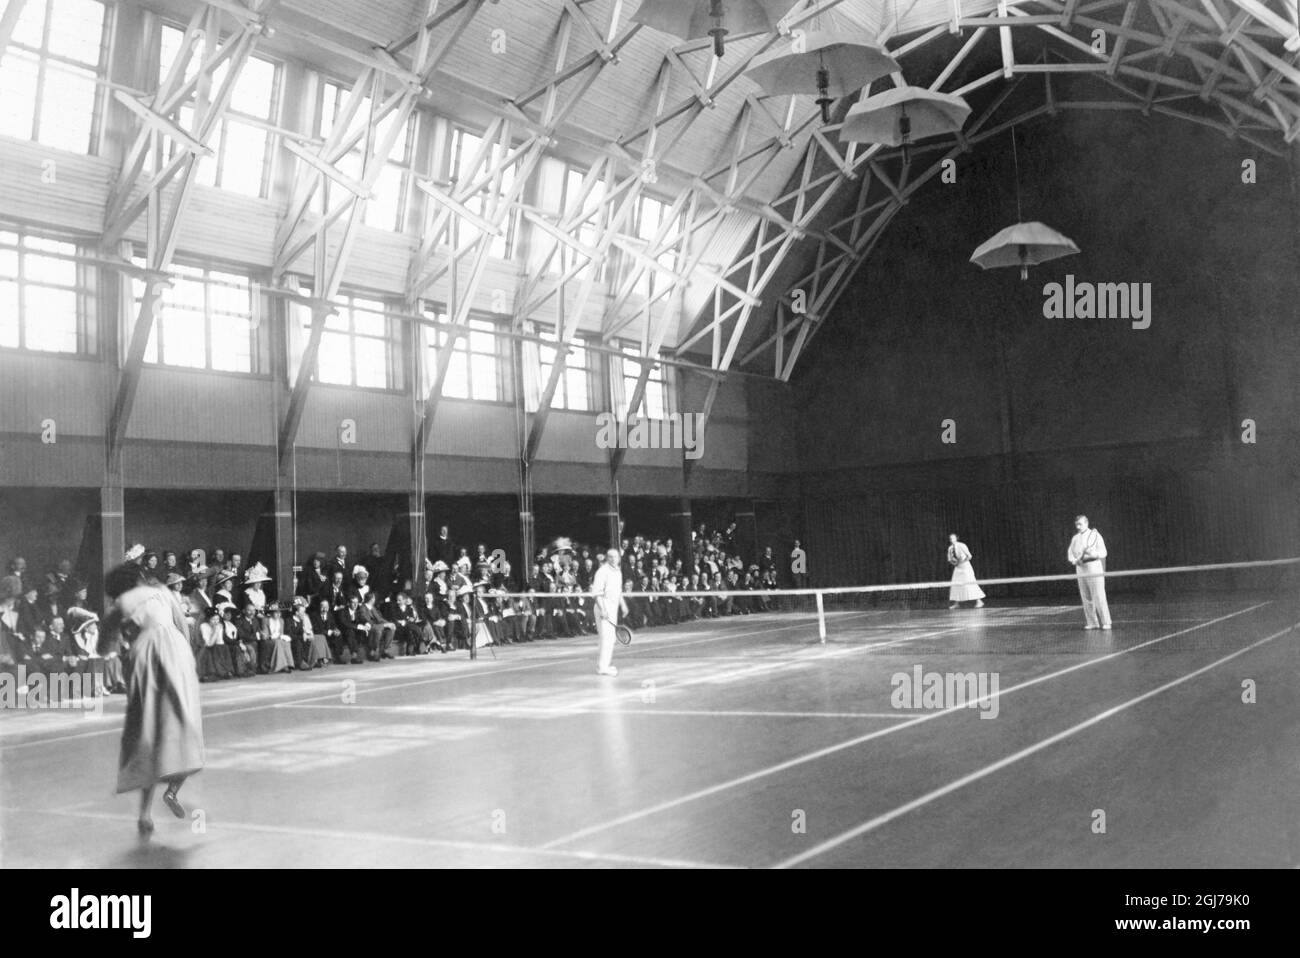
1022,612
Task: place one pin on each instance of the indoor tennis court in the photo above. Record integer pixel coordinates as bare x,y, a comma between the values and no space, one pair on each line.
737,743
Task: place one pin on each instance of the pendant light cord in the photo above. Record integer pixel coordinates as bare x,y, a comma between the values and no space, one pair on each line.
1015,159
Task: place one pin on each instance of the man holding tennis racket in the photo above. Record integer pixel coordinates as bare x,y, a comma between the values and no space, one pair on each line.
608,588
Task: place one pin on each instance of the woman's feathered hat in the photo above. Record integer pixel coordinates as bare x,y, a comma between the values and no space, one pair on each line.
78,619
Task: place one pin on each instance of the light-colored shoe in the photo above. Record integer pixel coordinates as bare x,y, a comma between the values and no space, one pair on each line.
1090,627
607,671
952,605
1106,626
979,603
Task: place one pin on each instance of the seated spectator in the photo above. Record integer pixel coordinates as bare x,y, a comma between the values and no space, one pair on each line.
44,653
406,621
314,579
310,651
325,624
485,613
274,653
196,570
433,614
339,563
356,627
254,578
81,648
214,657
224,584
247,633
30,617
336,593
61,577
375,564
51,602
526,616
11,587
383,633
459,617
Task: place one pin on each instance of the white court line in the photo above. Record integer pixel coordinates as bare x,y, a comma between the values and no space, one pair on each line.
975,776
764,667
371,837
862,739
586,710
467,672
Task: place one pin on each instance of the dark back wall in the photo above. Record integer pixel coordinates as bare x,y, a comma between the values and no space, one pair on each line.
1140,428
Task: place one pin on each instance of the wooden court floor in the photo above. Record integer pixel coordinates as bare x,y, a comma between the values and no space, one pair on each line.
735,743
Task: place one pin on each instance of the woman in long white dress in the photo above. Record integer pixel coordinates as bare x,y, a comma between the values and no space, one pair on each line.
964,587
162,740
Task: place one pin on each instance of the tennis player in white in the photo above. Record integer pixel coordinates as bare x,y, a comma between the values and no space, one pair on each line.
1087,554
608,587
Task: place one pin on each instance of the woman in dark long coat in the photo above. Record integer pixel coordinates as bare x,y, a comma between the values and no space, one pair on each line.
162,740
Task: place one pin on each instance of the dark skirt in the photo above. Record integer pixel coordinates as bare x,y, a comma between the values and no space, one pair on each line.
274,655
214,663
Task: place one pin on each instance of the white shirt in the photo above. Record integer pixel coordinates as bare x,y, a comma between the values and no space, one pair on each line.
957,552
1089,541
608,586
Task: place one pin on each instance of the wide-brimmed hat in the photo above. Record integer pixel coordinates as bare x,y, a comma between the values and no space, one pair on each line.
77,620
224,576
224,607
255,574
360,570
134,554
174,578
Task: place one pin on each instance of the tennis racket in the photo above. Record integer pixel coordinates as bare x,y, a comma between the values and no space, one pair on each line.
623,634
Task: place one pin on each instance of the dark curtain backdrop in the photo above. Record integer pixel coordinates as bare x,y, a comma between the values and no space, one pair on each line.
1023,529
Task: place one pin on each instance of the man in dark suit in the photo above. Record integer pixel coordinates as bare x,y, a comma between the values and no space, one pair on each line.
354,623
248,628
442,548
374,564
323,622
12,646
340,561
336,593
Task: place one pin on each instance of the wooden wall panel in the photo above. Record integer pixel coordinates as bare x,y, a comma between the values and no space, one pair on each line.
203,407
36,386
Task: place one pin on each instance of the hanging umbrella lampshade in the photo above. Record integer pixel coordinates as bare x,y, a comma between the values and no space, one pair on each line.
827,64
691,19
903,115
1023,245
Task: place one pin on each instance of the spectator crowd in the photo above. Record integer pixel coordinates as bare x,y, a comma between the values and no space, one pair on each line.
342,610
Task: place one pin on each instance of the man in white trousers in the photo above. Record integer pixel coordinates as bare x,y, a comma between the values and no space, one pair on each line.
607,584
1087,550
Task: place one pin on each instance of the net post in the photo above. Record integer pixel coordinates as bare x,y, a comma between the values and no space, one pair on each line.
821,619
471,625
